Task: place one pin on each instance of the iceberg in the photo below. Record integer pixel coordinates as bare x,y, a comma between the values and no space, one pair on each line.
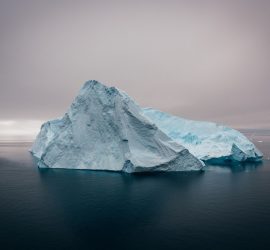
104,129
207,141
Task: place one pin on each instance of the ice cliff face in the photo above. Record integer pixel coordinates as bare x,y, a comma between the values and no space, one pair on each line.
104,129
205,140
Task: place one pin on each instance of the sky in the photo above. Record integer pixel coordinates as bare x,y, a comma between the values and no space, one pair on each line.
203,60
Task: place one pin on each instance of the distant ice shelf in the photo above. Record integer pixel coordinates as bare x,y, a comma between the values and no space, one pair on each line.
104,129
207,141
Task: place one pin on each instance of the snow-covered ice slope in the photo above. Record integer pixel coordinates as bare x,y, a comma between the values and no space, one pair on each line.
206,140
104,129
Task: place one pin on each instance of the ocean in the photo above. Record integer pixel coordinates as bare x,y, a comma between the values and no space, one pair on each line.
223,207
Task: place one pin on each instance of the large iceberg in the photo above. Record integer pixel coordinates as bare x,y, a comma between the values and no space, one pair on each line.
208,141
104,129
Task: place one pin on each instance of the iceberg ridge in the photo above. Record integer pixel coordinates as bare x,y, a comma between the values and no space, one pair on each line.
208,141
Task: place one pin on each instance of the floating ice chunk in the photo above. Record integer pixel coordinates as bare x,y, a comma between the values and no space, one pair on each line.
206,140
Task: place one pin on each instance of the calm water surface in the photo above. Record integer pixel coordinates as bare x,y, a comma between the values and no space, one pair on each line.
222,208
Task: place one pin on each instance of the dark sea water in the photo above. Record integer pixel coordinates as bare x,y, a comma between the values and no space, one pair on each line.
221,208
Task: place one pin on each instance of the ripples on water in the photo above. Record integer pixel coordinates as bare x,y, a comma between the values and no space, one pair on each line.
221,208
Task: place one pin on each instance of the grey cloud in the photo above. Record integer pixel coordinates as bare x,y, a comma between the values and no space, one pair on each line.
200,59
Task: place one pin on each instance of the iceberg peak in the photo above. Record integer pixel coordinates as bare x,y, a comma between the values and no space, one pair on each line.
104,129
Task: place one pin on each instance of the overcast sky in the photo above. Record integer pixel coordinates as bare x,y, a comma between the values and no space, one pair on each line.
206,60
